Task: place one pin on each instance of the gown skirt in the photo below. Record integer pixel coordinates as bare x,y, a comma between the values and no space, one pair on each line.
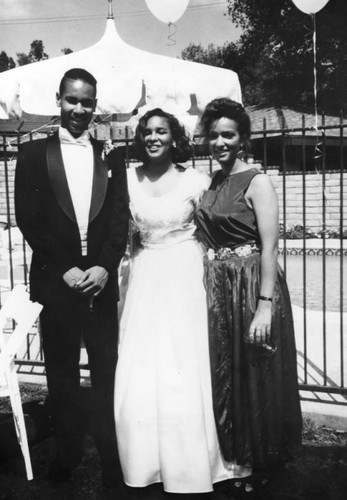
163,401
255,389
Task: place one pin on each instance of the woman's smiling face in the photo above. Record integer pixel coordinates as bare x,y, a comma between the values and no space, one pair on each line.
158,139
224,141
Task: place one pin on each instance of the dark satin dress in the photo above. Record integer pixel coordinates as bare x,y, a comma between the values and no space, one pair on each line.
255,391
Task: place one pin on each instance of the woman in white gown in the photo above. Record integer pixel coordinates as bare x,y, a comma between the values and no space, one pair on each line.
163,406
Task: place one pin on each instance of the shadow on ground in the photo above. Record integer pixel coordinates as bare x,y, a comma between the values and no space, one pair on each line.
319,472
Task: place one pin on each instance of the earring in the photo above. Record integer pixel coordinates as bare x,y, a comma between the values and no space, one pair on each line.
174,145
241,154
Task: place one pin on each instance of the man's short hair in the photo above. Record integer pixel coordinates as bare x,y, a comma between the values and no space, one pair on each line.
77,74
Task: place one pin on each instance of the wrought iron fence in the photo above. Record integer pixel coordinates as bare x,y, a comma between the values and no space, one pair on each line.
307,166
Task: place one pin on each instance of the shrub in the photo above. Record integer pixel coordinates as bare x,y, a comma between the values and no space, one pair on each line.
298,232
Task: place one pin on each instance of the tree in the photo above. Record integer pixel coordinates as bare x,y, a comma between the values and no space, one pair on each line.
195,52
225,56
37,52
23,59
274,55
6,62
228,56
277,48
66,51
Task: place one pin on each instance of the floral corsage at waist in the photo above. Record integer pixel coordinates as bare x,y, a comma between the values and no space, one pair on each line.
107,148
226,253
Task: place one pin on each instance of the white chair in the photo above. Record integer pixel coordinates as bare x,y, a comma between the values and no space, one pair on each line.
24,312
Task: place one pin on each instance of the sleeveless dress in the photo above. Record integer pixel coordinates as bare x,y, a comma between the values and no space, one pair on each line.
163,402
255,389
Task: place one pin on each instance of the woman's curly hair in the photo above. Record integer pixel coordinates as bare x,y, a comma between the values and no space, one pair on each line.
223,107
180,153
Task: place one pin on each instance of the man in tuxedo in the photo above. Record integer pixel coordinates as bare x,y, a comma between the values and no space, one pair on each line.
72,208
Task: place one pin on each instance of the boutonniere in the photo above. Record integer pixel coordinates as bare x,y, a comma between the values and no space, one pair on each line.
106,150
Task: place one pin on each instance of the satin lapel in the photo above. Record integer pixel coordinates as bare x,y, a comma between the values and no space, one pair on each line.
57,176
100,181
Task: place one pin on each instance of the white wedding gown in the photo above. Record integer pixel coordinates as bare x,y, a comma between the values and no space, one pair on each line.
163,403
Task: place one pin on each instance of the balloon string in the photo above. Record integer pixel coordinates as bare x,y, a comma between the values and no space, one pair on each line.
171,40
318,154
172,30
314,39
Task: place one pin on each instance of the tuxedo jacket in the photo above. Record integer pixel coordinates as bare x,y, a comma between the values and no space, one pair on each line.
46,217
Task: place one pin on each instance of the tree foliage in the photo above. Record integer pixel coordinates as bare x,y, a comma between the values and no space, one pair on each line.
274,55
277,43
66,51
37,51
23,59
6,62
225,56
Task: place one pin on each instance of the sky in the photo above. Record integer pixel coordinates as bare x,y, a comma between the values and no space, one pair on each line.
77,24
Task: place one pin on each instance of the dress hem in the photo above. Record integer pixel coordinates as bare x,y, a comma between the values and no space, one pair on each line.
181,492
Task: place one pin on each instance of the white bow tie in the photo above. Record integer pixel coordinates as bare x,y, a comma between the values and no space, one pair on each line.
66,138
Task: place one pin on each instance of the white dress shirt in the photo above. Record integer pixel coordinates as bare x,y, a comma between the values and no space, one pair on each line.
79,164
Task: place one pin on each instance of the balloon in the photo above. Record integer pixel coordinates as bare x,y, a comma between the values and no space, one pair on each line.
167,11
310,6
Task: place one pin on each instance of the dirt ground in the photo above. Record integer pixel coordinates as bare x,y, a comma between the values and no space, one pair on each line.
318,472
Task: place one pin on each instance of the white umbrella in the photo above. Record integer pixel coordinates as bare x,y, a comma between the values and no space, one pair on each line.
128,79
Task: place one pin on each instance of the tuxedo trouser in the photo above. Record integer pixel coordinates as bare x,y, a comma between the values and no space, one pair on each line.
63,328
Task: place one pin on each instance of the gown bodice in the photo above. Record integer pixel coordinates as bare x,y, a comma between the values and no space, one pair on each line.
224,218
167,219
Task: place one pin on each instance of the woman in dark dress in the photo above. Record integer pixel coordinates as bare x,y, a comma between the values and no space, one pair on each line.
251,333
